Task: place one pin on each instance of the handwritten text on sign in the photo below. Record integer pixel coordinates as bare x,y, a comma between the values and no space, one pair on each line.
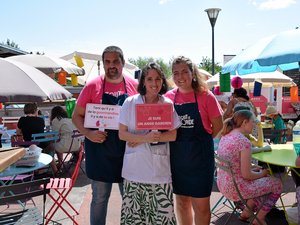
154,116
102,116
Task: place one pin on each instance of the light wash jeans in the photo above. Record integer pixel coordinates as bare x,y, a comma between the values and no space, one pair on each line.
100,197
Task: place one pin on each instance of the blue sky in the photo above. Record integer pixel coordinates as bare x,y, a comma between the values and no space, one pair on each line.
156,28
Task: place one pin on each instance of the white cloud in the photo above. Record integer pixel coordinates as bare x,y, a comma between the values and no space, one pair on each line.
161,2
272,4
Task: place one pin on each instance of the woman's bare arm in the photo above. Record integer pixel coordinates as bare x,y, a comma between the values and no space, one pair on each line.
246,167
217,125
229,110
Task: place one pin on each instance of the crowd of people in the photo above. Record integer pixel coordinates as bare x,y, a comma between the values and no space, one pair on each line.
150,166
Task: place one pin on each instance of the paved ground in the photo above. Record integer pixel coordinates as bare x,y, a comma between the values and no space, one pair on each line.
81,195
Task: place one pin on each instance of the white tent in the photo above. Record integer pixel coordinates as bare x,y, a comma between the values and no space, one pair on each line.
269,79
93,66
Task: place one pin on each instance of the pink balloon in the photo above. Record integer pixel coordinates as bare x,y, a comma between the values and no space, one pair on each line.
236,82
217,90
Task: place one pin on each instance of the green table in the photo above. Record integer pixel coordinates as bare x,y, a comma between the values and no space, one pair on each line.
281,155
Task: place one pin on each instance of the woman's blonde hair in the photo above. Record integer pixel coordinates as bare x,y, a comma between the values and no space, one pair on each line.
236,120
198,82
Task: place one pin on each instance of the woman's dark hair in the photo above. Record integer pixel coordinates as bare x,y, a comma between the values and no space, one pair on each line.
30,108
241,93
152,66
236,120
58,112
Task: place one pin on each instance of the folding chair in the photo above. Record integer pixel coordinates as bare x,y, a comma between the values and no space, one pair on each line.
38,138
26,216
65,165
10,122
222,199
62,187
51,136
225,165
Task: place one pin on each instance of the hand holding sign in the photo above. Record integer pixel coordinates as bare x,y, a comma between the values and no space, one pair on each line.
154,136
96,136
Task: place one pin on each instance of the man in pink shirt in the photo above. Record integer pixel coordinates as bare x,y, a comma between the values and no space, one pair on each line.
104,150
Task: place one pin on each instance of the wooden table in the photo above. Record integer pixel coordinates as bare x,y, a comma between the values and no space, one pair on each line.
10,156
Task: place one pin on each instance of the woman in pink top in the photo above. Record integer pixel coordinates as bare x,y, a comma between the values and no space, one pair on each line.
192,154
252,181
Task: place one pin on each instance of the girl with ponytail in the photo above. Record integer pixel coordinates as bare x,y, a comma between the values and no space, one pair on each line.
253,181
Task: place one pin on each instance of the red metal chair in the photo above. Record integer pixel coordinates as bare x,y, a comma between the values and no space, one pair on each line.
62,187
65,165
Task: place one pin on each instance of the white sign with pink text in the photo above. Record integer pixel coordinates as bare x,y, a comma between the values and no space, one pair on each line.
102,116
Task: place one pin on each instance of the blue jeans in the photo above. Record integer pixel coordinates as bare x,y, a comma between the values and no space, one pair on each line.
100,197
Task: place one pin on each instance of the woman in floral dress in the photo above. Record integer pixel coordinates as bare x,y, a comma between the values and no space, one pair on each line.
253,181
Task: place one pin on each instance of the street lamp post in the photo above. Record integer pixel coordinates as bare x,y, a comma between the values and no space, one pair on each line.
213,15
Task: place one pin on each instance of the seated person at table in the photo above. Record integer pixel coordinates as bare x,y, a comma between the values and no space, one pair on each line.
259,141
253,181
61,123
33,124
278,122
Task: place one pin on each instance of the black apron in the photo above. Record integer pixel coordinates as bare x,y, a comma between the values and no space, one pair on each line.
104,161
192,154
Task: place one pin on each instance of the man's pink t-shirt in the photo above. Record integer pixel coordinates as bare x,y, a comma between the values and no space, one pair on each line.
208,105
92,92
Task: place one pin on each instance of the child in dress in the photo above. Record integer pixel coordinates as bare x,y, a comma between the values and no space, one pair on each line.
252,181
278,122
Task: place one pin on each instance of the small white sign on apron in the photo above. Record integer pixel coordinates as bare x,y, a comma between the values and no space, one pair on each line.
102,116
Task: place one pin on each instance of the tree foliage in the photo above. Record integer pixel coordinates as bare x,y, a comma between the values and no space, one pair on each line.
206,64
141,62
